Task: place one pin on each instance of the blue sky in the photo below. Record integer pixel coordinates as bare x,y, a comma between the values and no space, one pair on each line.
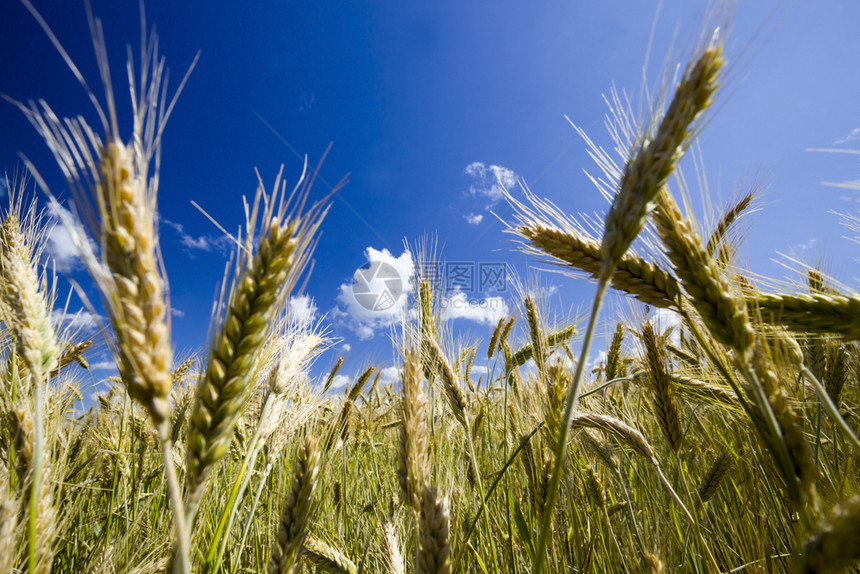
429,106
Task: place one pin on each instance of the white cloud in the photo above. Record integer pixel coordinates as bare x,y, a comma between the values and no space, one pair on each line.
364,332
480,370
591,364
221,243
103,366
61,245
473,219
665,319
80,321
490,181
177,312
339,382
486,311
378,294
346,347
302,309
389,376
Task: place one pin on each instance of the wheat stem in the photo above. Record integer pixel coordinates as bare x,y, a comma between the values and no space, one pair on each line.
830,407
567,416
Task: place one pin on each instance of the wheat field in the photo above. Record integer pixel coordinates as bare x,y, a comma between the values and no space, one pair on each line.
722,440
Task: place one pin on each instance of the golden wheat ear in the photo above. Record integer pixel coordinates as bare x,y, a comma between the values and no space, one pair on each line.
413,453
25,296
434,551
114,186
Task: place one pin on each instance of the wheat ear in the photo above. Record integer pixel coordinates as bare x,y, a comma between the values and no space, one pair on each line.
453,391
494,339
327,558
23,302
393,558
708,289
614,361
24,308
292,527
634,275
665,404
116,186
554,339
412,456
260,286
835,545
812,312
655,160
633,439
433,546
714,476
729,217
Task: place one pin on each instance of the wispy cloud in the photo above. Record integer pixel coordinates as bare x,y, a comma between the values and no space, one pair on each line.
486,311
61,245
378,293
489,181
803,246
177,312
854,135
80,321
474,219
4,187
220,244
308,103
